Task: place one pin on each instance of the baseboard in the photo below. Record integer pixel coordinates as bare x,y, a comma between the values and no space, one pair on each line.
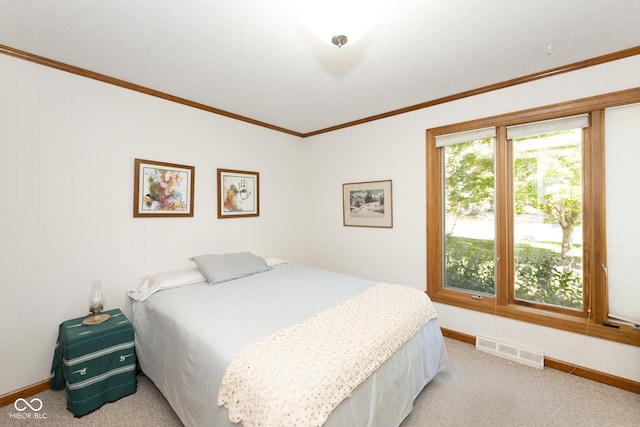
459,336
27,391
559,365
590,374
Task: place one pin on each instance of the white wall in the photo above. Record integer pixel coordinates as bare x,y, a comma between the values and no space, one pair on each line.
67,146
394,148
67,149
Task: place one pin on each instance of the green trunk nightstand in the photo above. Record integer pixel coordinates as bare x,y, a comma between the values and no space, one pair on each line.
96,363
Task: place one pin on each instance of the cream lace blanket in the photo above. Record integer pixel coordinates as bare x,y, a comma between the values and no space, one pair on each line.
296,377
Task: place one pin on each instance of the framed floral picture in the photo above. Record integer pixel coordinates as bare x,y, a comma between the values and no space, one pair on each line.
238,193
162,189
367,204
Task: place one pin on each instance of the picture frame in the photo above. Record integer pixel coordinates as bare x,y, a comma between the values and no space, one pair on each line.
367,204
162,189
238,193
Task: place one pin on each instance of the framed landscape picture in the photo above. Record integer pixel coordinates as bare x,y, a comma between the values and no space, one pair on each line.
367,204
238,193
162,189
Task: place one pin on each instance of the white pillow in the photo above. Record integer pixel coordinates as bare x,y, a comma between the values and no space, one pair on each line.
271,261
148,285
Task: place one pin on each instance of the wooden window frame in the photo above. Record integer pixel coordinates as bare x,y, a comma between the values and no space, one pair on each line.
594,222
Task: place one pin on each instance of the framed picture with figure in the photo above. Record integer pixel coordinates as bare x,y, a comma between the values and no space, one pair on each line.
238,193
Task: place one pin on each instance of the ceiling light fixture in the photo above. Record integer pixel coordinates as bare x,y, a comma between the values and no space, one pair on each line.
337,22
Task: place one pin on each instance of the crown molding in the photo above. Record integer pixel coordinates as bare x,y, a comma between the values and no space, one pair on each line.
484,89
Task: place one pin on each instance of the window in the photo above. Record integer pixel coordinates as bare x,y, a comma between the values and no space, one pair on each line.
469,224
544,203
623,222
516,218
547,205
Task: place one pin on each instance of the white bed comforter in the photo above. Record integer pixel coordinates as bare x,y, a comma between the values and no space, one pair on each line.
298,376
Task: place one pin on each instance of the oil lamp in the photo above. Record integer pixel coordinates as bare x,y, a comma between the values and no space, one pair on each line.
96,302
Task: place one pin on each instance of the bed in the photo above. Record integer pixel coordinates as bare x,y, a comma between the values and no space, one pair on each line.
190,331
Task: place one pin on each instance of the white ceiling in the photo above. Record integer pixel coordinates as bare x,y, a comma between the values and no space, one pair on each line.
253,58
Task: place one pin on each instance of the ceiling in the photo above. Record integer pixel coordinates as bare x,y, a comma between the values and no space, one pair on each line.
253,58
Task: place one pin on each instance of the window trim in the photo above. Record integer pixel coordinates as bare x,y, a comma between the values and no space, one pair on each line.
594,221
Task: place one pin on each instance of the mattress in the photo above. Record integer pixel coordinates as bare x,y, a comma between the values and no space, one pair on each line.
186,337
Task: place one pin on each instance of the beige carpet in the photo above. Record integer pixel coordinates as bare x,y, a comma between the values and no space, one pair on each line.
478,390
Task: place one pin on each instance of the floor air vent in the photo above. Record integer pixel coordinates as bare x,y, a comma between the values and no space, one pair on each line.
511,352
